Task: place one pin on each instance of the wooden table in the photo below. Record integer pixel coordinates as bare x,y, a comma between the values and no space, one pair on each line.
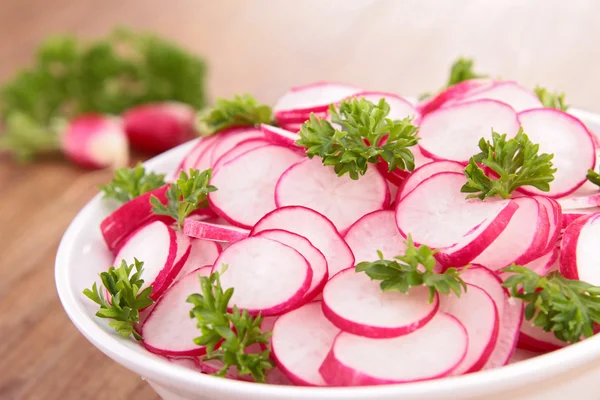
260,47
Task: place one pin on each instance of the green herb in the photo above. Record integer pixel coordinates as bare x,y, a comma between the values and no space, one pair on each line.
593,177
130,183
106,76
185,195
126,299
551,100
515,161
568,308
415,268
228,334
460,71
366,135
243,110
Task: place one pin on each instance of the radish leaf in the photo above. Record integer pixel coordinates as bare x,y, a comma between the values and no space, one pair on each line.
130,183
551,100
242,110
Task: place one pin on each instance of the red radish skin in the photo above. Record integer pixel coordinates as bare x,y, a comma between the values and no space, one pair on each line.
437,214
230,138
544,264
424,172
201,151
156,245
95,141
572,215
314,97
578,256
340,198
239,149
215,232
280,137
262,283
433,351
300,342
247,184
315,258
510,93
373,232
454,93
316,228
534,338
202,253
453,133
130,216
523,240
477,311
555,217
169,330
356,304
158,127
568,139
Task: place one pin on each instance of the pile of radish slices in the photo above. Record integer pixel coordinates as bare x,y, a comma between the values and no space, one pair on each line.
291,232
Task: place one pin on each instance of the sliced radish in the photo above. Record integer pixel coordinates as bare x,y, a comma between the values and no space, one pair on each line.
156,245
571,215
247,184
183,248
534,338
431,352
261,281
202,253
510,312
575,202
130,216
280,136
200,152
399,107
578,255
313,97
477,311
424,172
510,93
241,148
315,258
211,231
437,214
294,127
316,228
340,198
522,355
356,304
544,264
555,216
301,340
373,232
453,133
454,93
568,139
169,330
523,240
229,139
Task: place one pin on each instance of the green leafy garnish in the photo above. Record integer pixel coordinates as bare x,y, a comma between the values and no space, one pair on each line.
228,334
185,196
107,76
414,268
366,135
551,100
130,183
242,110
568,308
593,177
516,163
460,71
126,299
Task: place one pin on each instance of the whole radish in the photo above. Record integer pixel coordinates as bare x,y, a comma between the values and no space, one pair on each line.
158,127
95,141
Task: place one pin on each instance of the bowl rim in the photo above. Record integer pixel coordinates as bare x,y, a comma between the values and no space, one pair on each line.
489,382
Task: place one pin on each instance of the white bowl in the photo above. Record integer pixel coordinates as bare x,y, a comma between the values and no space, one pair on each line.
572,372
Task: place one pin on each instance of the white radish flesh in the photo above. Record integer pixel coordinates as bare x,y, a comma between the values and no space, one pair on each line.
300,342
568,139
545,263
261,281
579,250
215,232
341,199
315,258
229,139
373,232
476,310
239,149
555,217
577,202
453,94
247,184
510,93
399,107
424,172
279,136
313,97
431,352
202,252
200,154
453,133
355,303
316,228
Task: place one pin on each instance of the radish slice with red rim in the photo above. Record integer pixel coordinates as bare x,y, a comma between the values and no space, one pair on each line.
424,172
261,281
301,340
374,232
202,252
239,149
316,228
211,231
341,199
554,212
360,361
280,137
201,148
579,250
355,303
534,338
453,94
313,97
229,139
400,108
510,93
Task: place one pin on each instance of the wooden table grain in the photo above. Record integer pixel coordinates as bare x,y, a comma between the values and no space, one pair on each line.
260,47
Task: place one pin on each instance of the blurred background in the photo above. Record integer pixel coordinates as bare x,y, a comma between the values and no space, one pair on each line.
261,47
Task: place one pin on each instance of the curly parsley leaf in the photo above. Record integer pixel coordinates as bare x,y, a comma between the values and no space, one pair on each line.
242,110
130,183
551,100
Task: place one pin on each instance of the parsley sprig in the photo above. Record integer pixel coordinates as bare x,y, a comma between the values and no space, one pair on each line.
460,71
126,299
551,100
228,334
414,268
186,195
366,134
515,161
568,308
242,110
130,183
593,177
